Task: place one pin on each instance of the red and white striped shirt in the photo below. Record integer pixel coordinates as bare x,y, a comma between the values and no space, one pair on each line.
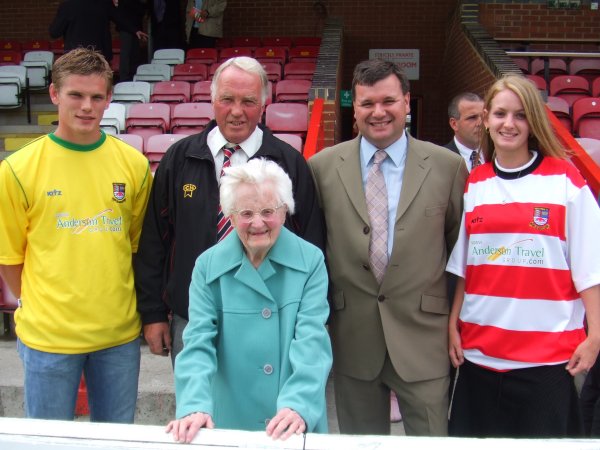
528,244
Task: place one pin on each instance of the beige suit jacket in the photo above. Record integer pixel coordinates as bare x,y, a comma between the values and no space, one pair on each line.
407,315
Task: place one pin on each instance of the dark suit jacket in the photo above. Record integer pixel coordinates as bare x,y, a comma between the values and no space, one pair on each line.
407,316
452,146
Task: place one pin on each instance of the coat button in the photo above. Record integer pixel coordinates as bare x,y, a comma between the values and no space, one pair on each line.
381,298
266,313
366,266
366,229
268,369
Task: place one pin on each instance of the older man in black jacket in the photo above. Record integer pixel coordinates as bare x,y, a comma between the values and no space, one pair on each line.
181,219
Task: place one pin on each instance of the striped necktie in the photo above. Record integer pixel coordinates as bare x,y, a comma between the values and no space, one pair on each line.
475,161
223,223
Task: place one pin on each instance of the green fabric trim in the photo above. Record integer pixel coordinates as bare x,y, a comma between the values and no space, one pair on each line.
77,147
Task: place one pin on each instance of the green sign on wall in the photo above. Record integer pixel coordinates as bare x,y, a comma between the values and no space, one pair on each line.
346,99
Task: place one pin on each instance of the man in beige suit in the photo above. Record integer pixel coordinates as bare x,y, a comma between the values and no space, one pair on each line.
389,325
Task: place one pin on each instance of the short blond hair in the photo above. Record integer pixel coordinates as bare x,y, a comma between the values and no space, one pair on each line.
81,61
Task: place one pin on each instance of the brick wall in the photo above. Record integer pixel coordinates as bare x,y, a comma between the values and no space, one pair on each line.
536,20
464,68
421,24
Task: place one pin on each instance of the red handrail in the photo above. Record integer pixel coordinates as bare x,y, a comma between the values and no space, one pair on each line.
314,137
586,165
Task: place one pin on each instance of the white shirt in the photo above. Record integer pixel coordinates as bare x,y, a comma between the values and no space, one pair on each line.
465,152
216,141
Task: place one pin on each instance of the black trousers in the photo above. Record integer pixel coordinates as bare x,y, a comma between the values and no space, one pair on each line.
538,402
590,401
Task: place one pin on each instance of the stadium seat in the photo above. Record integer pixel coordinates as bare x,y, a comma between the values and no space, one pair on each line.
136,141
307,40
588,68
202,56
299,71
289,118
560,108
190,72
273,70
247,41
557,66
292,139
539,82
57,47
201,92
39,65
171,92
212,69
232,52
8,302
157,146
10,45
596,87
191,118
152,73
148,119
13,82
113,120
586,117
277,42
169,56
116,46
591,147
271,55
131,92
569,87
303,54
35,45
292,91
10,57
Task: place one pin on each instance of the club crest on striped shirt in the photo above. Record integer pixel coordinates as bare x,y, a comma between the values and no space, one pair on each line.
540,218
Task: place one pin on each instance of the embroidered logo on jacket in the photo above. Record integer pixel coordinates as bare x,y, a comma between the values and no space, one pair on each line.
119,192
188,190
540,218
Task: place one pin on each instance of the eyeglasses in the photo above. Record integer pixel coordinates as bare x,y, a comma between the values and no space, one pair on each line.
247,215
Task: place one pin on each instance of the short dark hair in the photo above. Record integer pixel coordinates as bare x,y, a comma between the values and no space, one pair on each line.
369,72
453,112
81,61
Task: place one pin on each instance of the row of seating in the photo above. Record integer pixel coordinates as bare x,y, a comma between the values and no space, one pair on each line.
583,119
158,144
570,87
57,46
149,119
199,71
285,91
586,67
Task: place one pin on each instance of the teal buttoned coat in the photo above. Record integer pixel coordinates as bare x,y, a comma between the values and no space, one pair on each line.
256,341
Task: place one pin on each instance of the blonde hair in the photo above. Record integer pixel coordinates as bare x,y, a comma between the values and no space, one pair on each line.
81,61
542,138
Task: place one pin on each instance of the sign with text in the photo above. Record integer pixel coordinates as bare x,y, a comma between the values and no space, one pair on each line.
407,58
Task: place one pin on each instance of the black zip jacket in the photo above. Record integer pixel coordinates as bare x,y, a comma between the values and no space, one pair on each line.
181,219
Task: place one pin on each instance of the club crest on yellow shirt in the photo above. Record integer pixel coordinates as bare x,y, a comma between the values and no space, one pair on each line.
119,192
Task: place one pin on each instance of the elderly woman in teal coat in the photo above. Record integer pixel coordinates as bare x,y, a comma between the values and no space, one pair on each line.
256,351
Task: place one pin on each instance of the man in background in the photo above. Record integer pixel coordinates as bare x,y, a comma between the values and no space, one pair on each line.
465,113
